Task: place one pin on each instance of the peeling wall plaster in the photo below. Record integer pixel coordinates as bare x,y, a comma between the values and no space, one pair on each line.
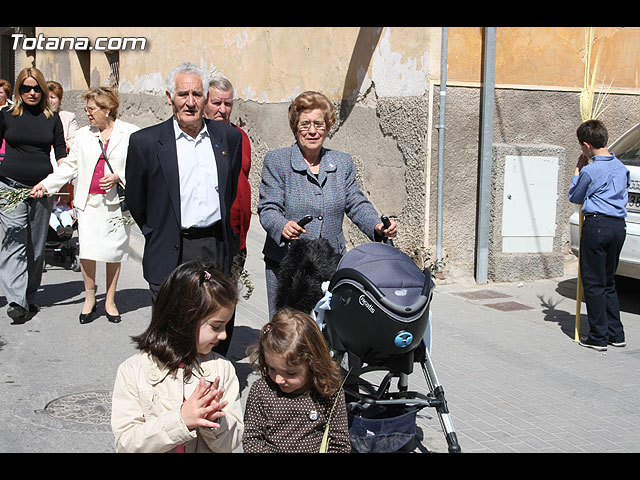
397,75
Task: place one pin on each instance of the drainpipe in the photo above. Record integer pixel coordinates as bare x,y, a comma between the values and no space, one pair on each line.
441,131
486,143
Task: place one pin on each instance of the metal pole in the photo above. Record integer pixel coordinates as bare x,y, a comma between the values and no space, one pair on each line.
486,143
441,132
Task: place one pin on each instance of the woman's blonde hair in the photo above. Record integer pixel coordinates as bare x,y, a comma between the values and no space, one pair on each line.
18,104
311,100
297,337
105,97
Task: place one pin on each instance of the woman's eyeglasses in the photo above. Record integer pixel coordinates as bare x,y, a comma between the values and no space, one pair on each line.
27,88
306,125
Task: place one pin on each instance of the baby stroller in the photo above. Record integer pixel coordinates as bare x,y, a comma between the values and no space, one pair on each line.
375,317
64,246
60,240
378,320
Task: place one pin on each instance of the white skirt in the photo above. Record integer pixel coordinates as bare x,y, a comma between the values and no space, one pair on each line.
98,238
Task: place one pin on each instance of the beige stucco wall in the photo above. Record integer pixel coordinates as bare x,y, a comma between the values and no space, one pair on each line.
267,65
273,64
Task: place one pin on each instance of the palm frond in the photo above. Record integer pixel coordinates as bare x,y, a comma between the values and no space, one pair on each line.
591,104
324,446
117,222
10,199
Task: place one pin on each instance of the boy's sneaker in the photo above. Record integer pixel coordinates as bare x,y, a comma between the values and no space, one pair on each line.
618,344
584,343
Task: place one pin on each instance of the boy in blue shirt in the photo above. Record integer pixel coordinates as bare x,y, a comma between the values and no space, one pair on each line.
602,188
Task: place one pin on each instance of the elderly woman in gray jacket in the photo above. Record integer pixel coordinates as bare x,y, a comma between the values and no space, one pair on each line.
308,179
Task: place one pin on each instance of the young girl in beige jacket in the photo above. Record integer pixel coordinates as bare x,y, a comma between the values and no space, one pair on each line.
175,394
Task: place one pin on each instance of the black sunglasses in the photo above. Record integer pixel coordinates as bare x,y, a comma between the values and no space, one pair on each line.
27,88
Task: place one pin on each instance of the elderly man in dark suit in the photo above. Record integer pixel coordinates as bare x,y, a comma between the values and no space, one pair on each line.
181,180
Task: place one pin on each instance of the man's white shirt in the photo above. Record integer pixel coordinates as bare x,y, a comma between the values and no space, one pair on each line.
199,200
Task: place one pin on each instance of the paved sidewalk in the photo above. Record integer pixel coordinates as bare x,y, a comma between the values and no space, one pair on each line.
514,378
517,382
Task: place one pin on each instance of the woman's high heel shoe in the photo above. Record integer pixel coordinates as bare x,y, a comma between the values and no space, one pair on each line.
113,318
88,317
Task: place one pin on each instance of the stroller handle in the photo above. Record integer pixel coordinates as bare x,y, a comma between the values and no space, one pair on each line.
352,274
386,222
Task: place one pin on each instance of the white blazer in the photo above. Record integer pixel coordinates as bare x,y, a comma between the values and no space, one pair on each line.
83,157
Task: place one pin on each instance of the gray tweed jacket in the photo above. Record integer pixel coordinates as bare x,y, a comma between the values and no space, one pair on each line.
289,191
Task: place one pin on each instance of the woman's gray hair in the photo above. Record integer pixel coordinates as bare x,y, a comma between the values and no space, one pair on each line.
220,83
188,68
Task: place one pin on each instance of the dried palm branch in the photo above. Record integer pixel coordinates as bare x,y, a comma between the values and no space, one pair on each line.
592,105
10,199
117,222
324,446
238,272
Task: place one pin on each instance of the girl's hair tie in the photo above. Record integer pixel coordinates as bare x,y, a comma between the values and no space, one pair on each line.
207,276
267,328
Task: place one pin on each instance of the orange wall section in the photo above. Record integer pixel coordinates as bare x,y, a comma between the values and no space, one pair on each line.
551,57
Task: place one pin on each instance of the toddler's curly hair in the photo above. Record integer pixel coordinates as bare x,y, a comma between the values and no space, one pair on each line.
297,336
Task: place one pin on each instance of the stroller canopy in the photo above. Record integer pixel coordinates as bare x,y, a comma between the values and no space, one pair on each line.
379,305
393,273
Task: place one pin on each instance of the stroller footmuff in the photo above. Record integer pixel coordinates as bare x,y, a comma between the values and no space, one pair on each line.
376,320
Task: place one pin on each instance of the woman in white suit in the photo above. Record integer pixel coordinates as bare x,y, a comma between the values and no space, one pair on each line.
95,195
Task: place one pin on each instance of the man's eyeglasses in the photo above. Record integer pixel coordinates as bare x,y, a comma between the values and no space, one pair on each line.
306,125
27,88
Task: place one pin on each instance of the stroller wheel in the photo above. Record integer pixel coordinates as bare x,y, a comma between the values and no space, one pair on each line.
410,446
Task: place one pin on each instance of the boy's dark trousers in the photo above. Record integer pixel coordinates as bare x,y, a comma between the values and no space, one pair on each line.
600,245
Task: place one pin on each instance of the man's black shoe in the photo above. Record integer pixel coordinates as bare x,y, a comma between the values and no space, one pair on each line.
16,312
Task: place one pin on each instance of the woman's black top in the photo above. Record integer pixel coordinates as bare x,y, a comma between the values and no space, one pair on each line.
28,141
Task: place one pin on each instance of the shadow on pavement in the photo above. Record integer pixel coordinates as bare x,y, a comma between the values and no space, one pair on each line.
243,337
565,318
627,288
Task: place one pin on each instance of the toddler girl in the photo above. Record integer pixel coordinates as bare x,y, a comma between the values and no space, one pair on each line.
299,391
175,394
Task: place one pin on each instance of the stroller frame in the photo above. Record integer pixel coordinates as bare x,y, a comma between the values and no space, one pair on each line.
367,394
364,393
